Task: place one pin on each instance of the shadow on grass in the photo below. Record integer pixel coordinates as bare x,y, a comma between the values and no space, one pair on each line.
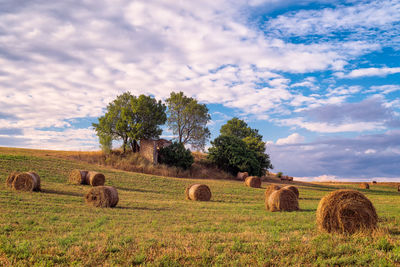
309,198
306,210
58,192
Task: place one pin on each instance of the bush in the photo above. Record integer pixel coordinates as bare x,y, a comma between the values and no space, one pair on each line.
176,155
231,154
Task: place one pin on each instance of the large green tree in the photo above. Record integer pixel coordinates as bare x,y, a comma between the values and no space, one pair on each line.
251,137
130,118
188,120
232,155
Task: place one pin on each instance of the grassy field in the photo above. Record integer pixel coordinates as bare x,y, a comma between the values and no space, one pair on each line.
153,225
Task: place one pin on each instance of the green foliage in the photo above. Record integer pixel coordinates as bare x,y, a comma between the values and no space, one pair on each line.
252,139
231,154
188,120
176,155
105,143
130,118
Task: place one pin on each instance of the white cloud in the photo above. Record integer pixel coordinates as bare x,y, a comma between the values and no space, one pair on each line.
384,89
369,72
294,138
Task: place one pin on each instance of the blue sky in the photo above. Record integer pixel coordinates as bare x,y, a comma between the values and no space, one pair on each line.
319,79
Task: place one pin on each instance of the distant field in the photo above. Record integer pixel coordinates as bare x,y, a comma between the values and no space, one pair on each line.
154,225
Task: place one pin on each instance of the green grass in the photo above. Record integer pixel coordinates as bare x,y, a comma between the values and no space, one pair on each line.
153,225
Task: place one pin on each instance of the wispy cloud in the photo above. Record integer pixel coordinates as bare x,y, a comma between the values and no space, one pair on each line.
368,72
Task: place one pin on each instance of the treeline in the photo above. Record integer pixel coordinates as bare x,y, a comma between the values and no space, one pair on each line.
130,118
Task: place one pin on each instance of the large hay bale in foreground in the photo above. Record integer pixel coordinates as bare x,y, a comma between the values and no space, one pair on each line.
364,185
283,200
78,176
11,178
95,178
253,181
242,176
294,189
200,192
187,191
268,192
346,211
102,196
26,181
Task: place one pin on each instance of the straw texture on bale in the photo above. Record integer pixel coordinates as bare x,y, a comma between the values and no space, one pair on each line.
242,175
95,178
283,200
199,192
346,211
102,196
364,186
187,191
253,181
78,176
11,178
268,192
27,181
294,189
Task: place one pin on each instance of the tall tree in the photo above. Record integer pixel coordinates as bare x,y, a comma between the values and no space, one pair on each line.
188,120
130,118
251,137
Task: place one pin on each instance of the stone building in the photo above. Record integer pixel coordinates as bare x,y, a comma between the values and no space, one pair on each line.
149,148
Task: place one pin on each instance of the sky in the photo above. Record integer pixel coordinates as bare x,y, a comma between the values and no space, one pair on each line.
319,79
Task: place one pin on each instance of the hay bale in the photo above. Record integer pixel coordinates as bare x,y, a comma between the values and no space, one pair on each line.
242,176
374,182
283,200
268,192
200,192
102,196
364,185
11,178
398,188
26,181
346,211
253,181
294,189
187,191
95,178
78,176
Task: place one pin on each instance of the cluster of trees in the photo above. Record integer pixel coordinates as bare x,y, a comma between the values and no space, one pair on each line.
130,118
239,148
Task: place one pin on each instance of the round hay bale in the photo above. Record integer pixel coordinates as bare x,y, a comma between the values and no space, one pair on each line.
398,188
77,176
187,191
268,192
346,211
95,178
27,181
242,176
364,185
102,196
200,192
10,178
283,200
253,181
294,189
374,182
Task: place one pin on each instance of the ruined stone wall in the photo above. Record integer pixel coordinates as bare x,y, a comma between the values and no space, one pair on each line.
148,150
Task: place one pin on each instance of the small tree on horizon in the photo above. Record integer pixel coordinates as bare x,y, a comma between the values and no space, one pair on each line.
188,120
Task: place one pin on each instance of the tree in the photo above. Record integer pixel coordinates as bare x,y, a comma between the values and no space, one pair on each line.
251,137
130,118
176,155
105,143
232,155
188,120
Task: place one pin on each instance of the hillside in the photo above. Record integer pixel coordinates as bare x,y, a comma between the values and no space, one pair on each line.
154,225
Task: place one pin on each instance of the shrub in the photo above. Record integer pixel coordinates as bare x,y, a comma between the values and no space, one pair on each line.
176,155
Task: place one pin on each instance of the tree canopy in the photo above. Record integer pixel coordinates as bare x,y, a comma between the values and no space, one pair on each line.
130,118
188,120
251,138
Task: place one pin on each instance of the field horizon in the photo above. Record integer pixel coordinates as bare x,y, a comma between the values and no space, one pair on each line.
153,224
